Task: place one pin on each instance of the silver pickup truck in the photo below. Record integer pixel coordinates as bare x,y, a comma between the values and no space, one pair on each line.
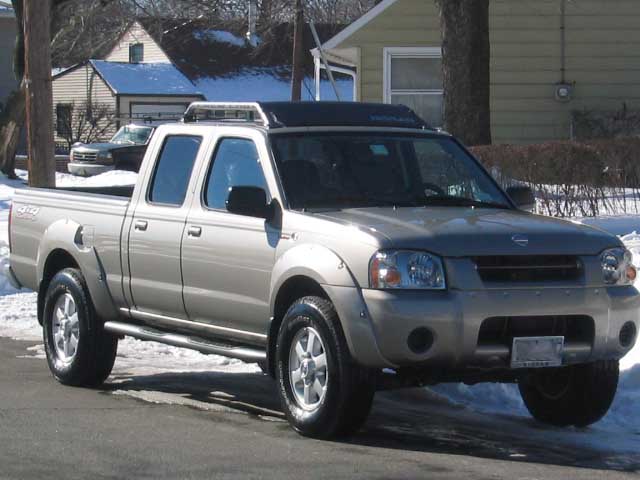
345,248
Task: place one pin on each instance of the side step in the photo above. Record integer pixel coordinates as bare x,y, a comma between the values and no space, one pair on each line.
185,341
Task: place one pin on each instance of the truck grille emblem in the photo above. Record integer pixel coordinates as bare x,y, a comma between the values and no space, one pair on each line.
521,240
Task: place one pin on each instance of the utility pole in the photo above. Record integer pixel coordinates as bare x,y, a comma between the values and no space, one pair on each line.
297,74
37,42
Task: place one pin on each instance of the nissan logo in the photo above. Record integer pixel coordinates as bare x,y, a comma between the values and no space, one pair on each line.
521,240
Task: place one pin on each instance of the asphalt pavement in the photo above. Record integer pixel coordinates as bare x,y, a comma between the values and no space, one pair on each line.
222,425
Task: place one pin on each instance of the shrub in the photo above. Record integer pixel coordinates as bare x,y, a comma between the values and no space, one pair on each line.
572,178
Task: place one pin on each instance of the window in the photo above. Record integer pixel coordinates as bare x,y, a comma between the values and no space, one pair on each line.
136,53
63,119
173,170
413,77
236,163
376,169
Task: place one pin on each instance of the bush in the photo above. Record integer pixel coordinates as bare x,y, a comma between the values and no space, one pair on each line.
572,178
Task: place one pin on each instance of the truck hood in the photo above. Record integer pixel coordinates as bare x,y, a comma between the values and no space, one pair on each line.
461,232
103,147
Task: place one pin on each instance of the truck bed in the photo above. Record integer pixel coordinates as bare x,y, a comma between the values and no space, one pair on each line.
92,215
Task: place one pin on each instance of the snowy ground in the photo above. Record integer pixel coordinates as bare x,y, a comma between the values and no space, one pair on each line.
619,430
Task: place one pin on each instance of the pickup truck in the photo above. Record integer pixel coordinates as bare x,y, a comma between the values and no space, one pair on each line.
124,151
345,248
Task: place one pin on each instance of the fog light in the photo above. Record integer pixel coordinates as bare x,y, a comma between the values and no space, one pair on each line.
420,340
628,334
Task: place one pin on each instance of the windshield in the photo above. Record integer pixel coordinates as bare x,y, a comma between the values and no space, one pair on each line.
347,170
132,135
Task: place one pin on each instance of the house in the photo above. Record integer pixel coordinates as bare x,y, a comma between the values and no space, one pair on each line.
159,66
549,59
8,32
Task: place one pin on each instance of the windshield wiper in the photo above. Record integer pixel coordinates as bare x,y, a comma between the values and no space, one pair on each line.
453,201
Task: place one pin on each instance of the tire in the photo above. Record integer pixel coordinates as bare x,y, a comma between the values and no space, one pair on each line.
347,388
70,318
578,395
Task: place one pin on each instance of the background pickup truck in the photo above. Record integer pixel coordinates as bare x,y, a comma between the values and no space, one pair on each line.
344,247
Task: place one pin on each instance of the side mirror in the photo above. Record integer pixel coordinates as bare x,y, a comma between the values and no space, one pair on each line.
523,197
250,202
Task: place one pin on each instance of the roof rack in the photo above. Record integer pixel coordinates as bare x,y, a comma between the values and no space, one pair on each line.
231,112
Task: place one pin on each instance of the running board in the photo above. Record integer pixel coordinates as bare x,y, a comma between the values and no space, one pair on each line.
185,341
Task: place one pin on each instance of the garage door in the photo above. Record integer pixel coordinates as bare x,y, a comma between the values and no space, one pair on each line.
156,113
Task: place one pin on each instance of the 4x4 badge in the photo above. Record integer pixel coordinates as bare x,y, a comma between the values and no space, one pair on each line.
521,240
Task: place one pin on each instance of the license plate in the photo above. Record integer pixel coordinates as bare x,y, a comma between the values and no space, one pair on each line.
537,352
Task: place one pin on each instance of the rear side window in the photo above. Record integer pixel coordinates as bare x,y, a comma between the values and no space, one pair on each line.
236,164
173,170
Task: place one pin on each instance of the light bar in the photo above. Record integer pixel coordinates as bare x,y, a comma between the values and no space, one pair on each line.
234,112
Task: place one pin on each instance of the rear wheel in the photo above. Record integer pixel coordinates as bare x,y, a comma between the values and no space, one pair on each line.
323,392
79,351
576,395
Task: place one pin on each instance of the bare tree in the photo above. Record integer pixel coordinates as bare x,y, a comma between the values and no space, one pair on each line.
87,123
466,53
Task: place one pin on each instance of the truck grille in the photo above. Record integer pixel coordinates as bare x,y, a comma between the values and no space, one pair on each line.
85,156
528,268
502,330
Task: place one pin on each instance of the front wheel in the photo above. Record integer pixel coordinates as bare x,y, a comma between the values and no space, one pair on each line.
79,351
576,395
323,392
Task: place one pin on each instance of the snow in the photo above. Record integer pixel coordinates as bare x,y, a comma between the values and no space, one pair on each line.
618,430
220,36
264,84
144,78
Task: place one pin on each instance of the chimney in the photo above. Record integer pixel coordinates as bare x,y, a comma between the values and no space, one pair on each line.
252,37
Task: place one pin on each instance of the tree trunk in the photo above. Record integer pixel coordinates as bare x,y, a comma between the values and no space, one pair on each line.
466,55
10,127
298,54
37,42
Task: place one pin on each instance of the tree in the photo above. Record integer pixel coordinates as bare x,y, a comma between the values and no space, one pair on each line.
466,55
86,123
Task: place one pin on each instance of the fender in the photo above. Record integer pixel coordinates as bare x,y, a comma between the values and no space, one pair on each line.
310,260
67,235
334,276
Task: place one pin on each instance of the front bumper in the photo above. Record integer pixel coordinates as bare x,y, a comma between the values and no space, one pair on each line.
88,169
454,319
11,277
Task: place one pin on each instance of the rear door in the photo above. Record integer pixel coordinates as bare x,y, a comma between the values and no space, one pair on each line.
156,232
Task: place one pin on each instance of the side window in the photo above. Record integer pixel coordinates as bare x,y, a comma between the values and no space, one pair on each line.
235,164
136,53
173,170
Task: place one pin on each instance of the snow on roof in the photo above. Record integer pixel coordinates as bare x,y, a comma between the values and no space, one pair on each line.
266,85
221,36
144,78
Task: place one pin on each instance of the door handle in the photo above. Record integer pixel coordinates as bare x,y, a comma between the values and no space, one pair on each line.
141,225
194,231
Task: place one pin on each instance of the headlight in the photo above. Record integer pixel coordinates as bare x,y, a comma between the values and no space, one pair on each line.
105,156
406,269
71,156
617,268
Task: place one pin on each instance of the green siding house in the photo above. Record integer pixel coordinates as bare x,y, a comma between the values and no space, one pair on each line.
549,58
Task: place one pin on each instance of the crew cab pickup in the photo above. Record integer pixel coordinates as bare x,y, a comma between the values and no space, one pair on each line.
345,248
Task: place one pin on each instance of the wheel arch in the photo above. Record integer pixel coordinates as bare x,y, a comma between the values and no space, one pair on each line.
62,247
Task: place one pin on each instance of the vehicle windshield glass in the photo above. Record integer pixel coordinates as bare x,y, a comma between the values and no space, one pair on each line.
132,135
348,170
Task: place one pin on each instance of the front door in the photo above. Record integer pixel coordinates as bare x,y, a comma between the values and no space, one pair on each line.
227,259
156,232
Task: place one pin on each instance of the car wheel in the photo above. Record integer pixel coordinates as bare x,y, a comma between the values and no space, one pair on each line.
576,395
79,351
323,392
